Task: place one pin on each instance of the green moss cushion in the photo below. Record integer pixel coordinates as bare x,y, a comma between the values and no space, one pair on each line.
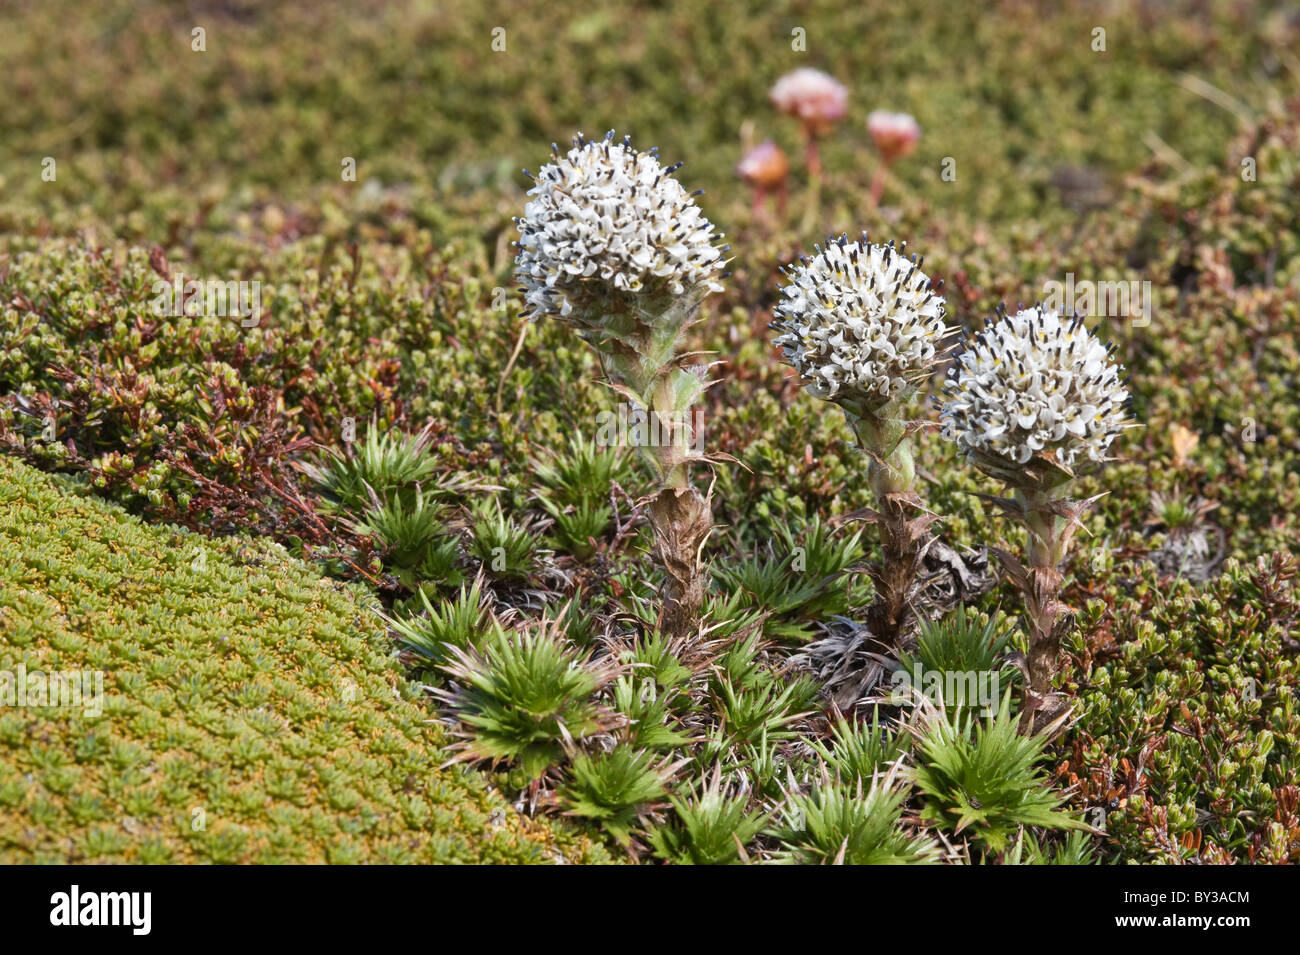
250,711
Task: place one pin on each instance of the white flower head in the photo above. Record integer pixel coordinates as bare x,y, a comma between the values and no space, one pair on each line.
860,323
1035,396
607,223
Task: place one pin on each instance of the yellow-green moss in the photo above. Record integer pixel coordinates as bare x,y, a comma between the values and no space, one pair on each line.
252,711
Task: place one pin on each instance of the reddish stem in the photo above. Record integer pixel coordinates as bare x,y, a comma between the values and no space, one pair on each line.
878,184
811,153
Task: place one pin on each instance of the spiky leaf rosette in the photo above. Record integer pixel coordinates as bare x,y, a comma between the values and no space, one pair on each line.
859,823
521,696
861,324
615,789
983,779
1035,399
611,243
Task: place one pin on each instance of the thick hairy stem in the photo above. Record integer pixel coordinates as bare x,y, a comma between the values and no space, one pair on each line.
682,519
681,516
903,523
638,341
1047,617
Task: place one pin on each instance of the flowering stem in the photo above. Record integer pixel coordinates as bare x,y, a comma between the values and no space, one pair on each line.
1049,518
682,517
672,439
813,210
903,521
811,155
878,184
760,208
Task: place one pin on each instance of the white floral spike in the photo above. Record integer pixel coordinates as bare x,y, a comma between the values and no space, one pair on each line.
611,244
1033,401
861,324
1035,386
608,221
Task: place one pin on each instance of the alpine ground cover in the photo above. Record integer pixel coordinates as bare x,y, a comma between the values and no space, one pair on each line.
245,710
509,550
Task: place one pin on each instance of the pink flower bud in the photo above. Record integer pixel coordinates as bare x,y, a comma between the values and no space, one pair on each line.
813,97
895,134
764,167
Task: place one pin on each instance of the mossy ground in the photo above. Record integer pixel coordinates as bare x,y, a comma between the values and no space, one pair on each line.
252,711
389,299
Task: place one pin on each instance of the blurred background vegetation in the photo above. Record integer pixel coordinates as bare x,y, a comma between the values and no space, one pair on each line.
415,92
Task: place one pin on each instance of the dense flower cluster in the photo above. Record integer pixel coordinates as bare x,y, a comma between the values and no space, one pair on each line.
1036,383
860,322
608,219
